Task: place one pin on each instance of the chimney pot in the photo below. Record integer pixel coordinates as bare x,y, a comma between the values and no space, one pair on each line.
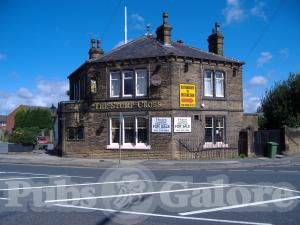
216,41
95,52
217,27
163,33
165,17
98,43
93,43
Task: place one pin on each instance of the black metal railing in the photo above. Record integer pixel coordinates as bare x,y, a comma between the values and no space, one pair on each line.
190,148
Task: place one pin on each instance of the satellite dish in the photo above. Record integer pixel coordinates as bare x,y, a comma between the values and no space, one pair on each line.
156,80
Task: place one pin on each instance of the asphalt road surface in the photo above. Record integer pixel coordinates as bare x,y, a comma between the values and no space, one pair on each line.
32,194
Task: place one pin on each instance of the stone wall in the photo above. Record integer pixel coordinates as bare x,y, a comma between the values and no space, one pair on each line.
292,140
163,145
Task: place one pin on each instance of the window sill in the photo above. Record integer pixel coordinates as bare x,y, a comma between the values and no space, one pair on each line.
214,98
129,146
215,145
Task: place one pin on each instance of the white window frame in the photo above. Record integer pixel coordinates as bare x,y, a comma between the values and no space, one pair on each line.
221,127
223,84
122,86
123,83
213,143
136,131
211,83
136,82
110,84
124,145
212,128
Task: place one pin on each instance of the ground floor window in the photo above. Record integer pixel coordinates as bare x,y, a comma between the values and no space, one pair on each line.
75,133
130,131
214,129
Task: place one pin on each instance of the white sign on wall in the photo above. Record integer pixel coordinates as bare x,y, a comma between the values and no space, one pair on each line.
182,124
161,124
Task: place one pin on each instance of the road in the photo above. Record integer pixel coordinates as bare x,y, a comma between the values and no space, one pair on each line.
35,194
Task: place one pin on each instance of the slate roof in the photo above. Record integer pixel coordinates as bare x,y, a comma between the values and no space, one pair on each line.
148,46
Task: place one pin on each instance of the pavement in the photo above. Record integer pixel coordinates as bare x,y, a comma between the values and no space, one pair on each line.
42,158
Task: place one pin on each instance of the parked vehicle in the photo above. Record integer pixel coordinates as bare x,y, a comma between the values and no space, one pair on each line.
42,142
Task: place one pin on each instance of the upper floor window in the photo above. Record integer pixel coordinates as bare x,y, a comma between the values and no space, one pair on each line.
219,84
128,83
93,86
76,90
208,83
213,84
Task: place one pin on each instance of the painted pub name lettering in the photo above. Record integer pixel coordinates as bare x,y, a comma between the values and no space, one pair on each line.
127,105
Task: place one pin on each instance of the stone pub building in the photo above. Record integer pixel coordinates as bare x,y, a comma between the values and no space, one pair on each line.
148,94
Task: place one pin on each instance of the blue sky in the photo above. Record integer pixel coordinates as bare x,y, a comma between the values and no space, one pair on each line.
42,42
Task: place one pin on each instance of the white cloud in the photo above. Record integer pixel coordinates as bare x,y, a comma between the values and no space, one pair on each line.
264,58
2,56
251,104
233,12
257,81
45,93
24,93
258,10
284,53
137,17
138,22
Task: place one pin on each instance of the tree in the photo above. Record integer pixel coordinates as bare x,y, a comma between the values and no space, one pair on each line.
281,104
20,118
25,136
40,118
30,123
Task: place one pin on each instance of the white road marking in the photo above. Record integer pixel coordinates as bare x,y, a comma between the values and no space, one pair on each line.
238,170
288,171
43,174
133,194
71,185
28,173
3,198
99,183
237,185
164,216
28,178
238,206
262,170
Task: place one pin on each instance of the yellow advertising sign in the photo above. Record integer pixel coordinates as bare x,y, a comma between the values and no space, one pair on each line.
187,95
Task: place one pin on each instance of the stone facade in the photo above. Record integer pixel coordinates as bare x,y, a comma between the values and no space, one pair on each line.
92,110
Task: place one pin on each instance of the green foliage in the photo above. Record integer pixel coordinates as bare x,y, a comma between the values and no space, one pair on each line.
20,118
25,136
28,124
40,118
281,104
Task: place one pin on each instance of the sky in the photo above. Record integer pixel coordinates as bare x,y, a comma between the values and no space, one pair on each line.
42,42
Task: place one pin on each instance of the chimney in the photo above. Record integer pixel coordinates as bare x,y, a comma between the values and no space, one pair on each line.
216,41
163,33
95,52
